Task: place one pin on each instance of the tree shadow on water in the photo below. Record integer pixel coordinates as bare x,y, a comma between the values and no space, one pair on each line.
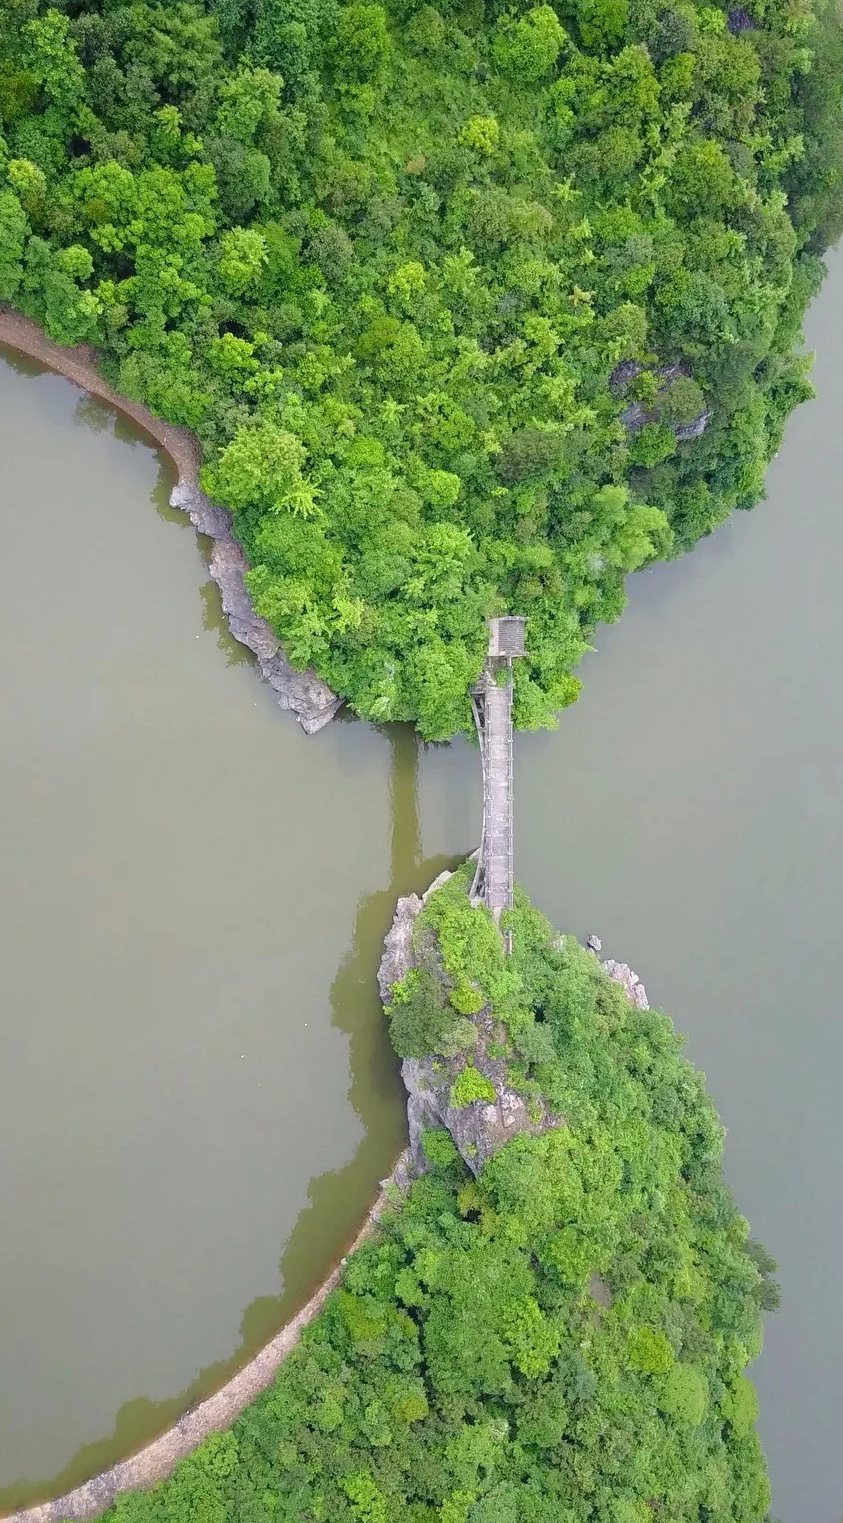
337,1199
215,622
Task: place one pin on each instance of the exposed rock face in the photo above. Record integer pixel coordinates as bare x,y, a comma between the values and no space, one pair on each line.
482,1127
305,694
621,973
397,958
636,415
479,1129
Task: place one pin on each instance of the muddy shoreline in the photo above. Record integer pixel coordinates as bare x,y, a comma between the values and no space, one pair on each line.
310,699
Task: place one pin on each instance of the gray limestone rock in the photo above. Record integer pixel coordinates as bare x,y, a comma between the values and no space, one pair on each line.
397,958
621,973
635,415
482,1127
312,701
478,1129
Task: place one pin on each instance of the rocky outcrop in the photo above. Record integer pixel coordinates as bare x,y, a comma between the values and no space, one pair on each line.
310,699
635,415
480,1128
621,973
304,693
483,1126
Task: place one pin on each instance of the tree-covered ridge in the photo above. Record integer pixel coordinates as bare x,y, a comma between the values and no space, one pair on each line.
562,1340
446,293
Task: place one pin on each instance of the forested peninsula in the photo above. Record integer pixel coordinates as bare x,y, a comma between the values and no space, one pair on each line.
553,1333
472,308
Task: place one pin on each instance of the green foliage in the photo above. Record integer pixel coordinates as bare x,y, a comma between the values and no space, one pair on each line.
740,1406
361,42
466,998
13,232
262,469
685,1395
680,402
438,235
652,444
242,256
529,46
649,1350
481,132
422,1021
470,1085
560,1340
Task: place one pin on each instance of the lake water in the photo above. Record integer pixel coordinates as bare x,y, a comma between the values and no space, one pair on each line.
690,810
196,1099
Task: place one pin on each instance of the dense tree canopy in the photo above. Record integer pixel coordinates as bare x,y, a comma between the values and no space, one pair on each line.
473,308
563,1339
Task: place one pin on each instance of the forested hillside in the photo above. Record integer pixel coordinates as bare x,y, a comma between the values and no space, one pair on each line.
563,1339
473,308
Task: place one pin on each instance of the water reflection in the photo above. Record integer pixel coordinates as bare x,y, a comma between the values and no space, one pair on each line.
214,621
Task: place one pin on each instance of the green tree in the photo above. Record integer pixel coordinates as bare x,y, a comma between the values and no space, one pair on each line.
13,234
360,42
262,468
528,47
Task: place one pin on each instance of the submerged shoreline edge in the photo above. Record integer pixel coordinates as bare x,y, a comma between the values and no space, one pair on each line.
304,693
156,1460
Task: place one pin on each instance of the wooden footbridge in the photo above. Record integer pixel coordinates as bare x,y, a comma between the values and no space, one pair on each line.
491,702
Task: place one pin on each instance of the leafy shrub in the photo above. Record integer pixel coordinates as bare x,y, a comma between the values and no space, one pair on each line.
528,47
468,1086
422,1022
648,1350
685,1395
481,132
652,444
740,1406
465,998
680,402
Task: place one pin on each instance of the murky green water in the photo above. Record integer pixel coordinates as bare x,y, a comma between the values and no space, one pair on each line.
195,1097
690,810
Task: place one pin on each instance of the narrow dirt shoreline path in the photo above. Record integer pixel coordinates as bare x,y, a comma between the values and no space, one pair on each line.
157,1460
311,700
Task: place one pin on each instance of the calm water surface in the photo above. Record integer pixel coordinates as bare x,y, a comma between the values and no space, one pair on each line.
184,879
196,1096
690,810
